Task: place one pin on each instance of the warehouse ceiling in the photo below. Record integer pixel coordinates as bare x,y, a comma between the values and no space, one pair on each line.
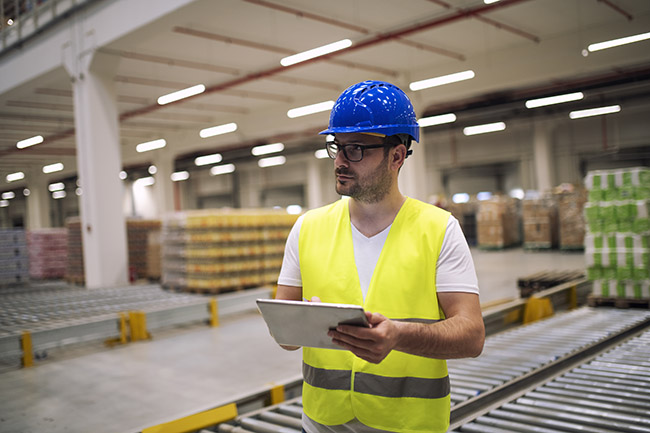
518,49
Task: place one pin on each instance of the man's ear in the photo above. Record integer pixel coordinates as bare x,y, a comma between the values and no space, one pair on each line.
398,156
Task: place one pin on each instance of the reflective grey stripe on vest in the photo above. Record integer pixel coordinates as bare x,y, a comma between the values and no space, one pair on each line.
376,385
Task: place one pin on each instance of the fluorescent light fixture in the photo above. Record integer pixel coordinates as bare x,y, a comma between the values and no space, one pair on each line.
12,177
272,161
180,175
618,42
484,129
144,181
151,145
56,186
53,168
29,142
222,169
78,191
316,52
267,148
123,175
594,112
8,195
181,94
489,2
294,209
483,195
58,194
4,203
310,109
321,154
26,192
440,81
559,99
437,120
461,197
218,130
208,159
152,169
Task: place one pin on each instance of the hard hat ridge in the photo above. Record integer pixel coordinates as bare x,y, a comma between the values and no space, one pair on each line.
376,107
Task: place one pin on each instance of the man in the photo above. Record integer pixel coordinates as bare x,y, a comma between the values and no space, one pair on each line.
405,261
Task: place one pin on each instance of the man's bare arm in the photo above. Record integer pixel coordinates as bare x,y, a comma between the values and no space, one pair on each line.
460,335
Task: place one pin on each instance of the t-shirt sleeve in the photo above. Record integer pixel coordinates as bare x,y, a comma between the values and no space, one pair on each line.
290,271
455,269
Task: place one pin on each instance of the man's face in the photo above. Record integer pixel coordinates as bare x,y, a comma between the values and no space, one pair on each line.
368,180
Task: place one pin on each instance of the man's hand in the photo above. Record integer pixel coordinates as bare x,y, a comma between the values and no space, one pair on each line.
370,344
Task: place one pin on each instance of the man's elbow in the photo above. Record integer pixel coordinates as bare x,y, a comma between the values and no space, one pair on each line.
477,343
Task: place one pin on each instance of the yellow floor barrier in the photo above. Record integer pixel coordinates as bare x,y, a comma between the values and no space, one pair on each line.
196,421
214,313
28,352
537,309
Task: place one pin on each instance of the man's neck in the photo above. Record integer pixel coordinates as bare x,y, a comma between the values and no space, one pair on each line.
373,218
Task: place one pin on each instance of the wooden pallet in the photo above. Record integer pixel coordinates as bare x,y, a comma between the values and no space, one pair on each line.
599,301
544,280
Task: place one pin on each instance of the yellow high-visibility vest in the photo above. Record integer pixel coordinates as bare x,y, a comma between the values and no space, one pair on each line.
403,393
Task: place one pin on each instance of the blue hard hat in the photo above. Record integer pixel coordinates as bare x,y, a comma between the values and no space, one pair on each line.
374,106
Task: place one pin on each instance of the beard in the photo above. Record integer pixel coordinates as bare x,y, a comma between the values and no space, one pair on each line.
369,188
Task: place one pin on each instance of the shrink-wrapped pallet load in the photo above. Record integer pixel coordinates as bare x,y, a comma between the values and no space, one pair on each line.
571,221
48,253
497,223
617,246
540,223
221,250
14,258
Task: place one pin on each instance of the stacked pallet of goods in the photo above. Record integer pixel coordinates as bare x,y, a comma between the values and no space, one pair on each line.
617,246
74,272
497,223
213,251
14,258
48,253
465,213
570,207
540,222
137,234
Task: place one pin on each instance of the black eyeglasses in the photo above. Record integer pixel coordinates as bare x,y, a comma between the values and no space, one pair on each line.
352,152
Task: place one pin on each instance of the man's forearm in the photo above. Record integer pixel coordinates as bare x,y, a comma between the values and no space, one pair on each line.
456,337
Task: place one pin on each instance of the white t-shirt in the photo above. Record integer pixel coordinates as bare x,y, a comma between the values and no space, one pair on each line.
454,273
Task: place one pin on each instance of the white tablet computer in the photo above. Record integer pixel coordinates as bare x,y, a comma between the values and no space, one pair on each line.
297,323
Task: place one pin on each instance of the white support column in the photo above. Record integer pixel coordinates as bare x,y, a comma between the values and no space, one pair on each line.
164,188
542,157
99,164
38,202
413,176
314,184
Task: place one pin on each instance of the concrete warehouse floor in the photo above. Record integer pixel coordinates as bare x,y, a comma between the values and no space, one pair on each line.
189,369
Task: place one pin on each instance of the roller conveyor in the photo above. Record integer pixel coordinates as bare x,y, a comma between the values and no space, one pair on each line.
611,393
519,352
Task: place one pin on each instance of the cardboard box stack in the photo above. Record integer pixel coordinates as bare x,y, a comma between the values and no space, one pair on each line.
570,205
14,258
540,223
466,213
498,222
48,253
74,272
154,255
220,250
617,246
137,235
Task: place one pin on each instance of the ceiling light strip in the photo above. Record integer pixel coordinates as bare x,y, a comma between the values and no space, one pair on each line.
316,52
618,42
437,120
267,148
442,80
181,94
222,169
38,139
208,159
551,100
218,130
595,112
484,129
310,109
151,145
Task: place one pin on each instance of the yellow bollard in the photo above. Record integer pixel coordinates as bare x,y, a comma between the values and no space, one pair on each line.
572,295
28,351
277,394
537,309
138,325
214,313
